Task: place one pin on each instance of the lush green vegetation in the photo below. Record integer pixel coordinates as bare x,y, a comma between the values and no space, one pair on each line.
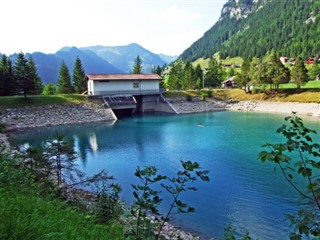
304,164
40,197
40,100
289,27
29,208
240,95
28,216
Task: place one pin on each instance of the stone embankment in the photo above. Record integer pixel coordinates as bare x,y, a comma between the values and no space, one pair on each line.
53,115
196,105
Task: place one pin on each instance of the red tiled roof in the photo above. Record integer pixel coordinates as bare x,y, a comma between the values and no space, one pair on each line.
119,77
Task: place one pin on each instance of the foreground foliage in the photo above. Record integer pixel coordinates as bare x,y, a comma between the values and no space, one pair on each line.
147,199
30,209
299,157
38,199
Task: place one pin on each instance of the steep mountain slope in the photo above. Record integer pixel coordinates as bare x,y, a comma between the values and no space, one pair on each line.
123,56
250,28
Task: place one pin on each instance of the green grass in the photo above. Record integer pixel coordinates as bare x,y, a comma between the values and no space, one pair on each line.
281,96
29,211
26,216
204,63
284,95
39,100
308,85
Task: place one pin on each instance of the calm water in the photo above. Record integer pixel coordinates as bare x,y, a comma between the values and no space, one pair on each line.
242,191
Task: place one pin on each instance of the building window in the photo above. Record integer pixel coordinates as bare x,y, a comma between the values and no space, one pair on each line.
135,85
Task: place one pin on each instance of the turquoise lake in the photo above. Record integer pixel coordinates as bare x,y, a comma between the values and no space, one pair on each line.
242,191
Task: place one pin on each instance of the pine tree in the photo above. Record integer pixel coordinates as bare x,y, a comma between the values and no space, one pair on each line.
137,67
188,72
78,77
22,75
35,80
198,75
299,73
7,83
64,80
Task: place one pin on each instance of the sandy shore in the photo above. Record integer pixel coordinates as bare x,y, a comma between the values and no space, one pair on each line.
301,109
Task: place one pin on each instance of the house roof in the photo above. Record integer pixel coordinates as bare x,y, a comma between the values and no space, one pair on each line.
229,79
122,77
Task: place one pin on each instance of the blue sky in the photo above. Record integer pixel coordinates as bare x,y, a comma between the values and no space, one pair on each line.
161,26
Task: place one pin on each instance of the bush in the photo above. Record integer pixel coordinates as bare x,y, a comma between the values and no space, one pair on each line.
49,89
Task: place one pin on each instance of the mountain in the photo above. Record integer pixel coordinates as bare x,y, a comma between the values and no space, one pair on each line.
249,28
97,59
167,58
123,56
48,65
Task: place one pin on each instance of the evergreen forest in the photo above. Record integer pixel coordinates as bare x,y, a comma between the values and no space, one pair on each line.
288,27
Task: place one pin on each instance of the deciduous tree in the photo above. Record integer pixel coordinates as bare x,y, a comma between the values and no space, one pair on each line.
175,75
49,89
314,71
299,73
214,75
299,157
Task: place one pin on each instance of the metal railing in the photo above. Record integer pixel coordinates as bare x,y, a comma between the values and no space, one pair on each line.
128,92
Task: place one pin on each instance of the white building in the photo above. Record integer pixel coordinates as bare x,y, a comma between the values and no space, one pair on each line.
123,84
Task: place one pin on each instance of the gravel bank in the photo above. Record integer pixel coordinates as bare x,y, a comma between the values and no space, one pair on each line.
53,115
195,106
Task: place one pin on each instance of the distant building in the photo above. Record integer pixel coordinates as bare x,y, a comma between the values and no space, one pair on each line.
229,83
284,60
310,60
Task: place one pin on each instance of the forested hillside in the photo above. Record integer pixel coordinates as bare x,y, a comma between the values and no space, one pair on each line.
249,28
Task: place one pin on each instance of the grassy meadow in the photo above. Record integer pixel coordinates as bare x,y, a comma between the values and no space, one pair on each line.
40,100
287,93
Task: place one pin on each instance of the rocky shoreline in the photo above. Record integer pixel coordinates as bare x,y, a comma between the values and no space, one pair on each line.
54,115
196,105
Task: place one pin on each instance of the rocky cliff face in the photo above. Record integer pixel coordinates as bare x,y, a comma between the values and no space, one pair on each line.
241,8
